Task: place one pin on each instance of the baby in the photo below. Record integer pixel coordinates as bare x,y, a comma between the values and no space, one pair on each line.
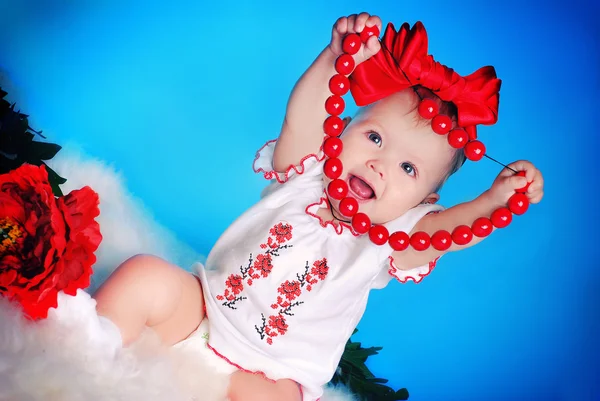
287,283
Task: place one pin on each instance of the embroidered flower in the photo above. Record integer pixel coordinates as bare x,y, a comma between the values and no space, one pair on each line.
290,289
234,283
277,322
263,264
320,269
282,232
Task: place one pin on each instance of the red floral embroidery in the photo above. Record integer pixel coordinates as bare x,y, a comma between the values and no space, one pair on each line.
278,323
234,286
281,232
263,264
289,292
257,268
320,269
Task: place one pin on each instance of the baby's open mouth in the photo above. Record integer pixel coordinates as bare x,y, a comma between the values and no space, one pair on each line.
361,188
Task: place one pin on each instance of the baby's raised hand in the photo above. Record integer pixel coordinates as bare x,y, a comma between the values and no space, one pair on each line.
507,182
355,24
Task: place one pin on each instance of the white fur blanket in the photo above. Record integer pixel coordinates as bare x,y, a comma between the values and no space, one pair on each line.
74,354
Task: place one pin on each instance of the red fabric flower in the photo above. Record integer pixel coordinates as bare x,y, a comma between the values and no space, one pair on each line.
47,244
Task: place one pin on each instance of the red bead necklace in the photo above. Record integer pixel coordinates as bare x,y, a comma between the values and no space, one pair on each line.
458,138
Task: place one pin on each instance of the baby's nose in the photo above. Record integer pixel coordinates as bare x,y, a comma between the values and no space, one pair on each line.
377,167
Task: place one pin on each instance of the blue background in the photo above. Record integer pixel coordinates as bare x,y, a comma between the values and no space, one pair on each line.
180,94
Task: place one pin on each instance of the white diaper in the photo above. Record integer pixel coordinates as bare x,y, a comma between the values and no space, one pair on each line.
197,344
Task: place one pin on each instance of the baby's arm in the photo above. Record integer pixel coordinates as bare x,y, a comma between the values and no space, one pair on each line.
302,130
466,213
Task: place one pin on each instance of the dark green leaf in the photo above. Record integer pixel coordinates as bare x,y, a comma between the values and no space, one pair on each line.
402,394
55,180
43,150
354,373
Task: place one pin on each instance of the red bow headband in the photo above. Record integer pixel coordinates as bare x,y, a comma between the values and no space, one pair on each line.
403,62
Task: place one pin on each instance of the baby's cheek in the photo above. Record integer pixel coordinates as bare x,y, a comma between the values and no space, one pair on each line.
391,209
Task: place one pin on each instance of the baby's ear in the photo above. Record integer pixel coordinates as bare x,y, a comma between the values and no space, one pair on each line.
431,199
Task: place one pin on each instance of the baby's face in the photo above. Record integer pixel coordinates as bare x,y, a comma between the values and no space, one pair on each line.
392,160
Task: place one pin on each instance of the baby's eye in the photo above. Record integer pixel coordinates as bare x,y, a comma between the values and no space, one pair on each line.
375,137
408,168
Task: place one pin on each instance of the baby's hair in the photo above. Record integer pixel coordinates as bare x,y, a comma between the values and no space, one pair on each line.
451,111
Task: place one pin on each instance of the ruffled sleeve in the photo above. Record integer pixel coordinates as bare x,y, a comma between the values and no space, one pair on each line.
388,269
415,274
263,163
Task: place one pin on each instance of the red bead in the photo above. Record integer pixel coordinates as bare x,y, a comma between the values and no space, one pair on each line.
339,84
441,240
345,64
399,241
428,108
348,206
441,124
338,189
462,235
501,217
474,150
420,240
458,138
333,126
333,168
361,223
335,105
379,234
351,43
369,31
518,203
333,146
482,227
526,187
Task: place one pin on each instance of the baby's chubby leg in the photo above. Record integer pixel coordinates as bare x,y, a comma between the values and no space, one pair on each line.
147,291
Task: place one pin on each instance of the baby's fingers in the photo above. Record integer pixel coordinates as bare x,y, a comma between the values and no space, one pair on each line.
521,165
537,181
515,182
351,23
536,197
535,192
371,47
373,21
361,22
340,28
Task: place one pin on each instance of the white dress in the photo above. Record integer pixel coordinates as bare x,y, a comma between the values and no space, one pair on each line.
283,290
